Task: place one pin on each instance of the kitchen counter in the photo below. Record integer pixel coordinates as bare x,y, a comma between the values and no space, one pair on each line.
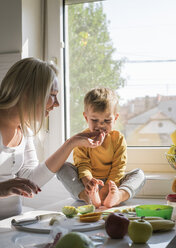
11,238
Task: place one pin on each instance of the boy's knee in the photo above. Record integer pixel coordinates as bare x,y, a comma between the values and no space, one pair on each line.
67,171
141,174
66,167
138,172
134,175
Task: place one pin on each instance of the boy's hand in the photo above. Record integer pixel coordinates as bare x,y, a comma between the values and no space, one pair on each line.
92,190
91,140
91,185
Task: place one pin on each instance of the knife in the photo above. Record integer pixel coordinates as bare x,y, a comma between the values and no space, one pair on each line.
29,221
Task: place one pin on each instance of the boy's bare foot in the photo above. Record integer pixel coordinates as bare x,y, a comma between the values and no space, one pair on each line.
94,196
84,197
113,197
92,189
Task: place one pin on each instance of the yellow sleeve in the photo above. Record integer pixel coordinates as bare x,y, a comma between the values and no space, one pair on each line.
82,161
119,159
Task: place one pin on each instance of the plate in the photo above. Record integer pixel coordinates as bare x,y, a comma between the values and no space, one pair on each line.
70,224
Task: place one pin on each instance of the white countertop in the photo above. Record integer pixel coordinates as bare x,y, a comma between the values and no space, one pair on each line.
9,237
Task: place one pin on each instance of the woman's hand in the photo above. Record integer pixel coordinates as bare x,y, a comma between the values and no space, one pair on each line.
18,186
91,140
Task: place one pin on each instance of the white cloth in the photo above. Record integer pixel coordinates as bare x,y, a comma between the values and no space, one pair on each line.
26,166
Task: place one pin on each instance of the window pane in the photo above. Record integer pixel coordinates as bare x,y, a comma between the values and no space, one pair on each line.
128,46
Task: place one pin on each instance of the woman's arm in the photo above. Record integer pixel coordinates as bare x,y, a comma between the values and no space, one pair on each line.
55,161
41,173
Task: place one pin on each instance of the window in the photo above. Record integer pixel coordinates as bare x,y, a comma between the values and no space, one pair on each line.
128,46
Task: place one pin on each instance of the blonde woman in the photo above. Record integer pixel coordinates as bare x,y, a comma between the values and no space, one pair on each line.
28,93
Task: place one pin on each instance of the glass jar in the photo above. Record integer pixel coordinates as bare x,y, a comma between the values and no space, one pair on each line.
171,201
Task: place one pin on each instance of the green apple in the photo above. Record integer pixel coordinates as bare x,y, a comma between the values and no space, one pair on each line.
140,231
75,240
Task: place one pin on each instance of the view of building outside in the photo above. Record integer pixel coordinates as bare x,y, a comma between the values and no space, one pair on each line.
128,46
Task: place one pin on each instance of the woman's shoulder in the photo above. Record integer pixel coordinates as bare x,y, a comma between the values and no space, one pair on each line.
29,132
28,136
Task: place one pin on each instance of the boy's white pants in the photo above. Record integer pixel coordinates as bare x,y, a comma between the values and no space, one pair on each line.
132,182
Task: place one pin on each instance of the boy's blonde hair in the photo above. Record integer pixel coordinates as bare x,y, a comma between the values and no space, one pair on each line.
100,99
27,85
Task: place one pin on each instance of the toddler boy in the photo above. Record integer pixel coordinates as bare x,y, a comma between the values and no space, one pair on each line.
99,173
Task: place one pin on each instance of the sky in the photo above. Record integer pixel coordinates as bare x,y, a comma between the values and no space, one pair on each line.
144,30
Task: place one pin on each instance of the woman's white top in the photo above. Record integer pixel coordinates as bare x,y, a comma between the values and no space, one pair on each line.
20,161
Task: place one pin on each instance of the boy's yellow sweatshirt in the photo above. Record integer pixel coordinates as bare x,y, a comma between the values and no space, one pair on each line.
107,161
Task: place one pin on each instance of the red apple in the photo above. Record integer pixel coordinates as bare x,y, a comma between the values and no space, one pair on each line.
116,225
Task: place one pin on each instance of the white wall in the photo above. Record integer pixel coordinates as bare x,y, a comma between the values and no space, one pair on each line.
21,27
10,26
21,33
32,17
32,40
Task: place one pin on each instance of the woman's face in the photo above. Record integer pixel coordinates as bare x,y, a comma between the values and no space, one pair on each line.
52,100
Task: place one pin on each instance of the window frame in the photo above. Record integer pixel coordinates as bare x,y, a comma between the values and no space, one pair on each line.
54,51
150,159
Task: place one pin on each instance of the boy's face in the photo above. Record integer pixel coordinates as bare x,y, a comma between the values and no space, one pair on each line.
100,121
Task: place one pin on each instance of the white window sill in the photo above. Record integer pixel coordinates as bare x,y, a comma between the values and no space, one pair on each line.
158,185
159,176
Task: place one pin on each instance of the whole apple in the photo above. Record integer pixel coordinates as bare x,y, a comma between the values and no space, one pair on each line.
116,225
140,231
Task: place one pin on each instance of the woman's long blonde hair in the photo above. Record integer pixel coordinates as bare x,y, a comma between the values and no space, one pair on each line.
27,85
